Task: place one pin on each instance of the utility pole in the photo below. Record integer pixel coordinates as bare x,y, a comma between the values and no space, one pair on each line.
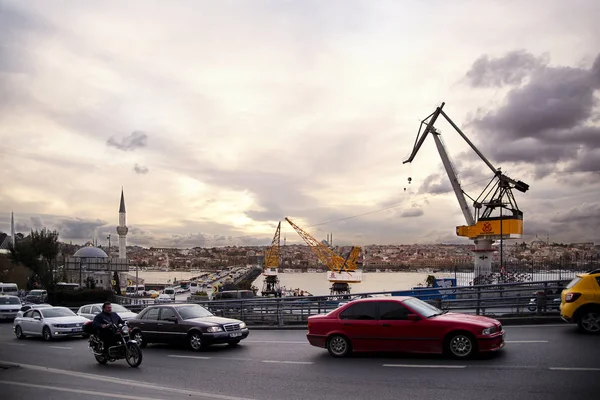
108,237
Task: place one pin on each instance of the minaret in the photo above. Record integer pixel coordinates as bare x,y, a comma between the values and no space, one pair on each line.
122,229
12,228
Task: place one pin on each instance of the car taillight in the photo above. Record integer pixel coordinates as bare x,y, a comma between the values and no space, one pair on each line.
571,297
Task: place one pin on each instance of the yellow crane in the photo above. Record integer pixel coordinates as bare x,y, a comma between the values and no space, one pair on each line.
271,286
342,271
497,215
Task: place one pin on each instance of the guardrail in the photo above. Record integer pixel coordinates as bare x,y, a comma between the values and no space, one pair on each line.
506,299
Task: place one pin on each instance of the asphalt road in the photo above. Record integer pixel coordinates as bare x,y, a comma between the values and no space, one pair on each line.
538,362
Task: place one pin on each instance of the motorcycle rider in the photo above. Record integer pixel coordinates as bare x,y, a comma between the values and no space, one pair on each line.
103,327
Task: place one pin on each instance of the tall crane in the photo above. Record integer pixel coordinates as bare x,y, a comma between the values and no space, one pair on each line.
484,226
342,271
271,286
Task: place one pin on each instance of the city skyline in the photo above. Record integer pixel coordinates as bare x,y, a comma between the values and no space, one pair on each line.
221,120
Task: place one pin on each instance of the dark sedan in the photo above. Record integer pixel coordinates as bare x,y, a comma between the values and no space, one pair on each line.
185,322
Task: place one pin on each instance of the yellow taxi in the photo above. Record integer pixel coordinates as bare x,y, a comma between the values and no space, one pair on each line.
580,302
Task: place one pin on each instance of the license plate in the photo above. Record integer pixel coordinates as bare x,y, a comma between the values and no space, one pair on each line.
236,334
76,330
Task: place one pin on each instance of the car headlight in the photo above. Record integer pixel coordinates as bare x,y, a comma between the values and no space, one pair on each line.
125,330
214,329
488,331
242,325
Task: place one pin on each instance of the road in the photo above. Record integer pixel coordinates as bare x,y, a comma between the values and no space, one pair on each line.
538,362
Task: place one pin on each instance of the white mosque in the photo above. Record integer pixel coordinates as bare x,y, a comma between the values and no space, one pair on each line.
91,261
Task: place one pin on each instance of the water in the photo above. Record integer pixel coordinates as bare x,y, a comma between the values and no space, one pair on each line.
164,277
318,285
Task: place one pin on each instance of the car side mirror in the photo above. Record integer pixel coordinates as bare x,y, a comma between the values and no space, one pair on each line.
413,317
37,318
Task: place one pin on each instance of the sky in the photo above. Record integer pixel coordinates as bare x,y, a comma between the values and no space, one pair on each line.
219,119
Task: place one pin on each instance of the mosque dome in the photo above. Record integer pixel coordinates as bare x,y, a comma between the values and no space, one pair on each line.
90,252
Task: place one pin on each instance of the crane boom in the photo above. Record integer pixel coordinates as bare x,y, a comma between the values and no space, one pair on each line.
448,165
475,149
450,170
333,261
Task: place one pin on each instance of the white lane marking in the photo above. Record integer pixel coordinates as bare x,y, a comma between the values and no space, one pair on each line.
80,391
61,347
276,341
287,362
572,369
195,357
526,341
232,358
424,366
127,382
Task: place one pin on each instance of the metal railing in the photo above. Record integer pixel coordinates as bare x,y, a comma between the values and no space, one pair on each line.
506,300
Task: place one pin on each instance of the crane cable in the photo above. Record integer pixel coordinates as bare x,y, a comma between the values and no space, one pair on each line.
394,206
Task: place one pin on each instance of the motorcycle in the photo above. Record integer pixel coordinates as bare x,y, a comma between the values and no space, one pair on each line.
125,347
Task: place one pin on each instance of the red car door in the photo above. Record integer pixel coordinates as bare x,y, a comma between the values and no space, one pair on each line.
399,333
359,322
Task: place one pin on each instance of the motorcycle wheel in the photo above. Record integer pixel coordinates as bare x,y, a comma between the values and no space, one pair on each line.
101,359
133,355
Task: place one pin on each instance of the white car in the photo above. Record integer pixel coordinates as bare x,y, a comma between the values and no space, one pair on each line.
89,311
9,307
164,298
49,323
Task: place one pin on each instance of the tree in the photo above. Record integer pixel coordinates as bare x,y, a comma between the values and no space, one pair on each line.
90,283
38,251
12,272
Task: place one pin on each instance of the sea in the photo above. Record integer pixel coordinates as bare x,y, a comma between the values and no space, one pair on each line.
316,283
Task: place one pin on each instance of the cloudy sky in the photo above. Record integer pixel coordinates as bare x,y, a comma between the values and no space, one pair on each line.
221,118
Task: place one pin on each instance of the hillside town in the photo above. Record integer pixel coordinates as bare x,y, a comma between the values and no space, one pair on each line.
373,257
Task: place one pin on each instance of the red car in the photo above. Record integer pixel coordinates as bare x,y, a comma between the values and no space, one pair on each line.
402,324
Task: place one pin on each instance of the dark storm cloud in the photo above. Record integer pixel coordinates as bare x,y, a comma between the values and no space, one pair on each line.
131,142
545,121
437,183
412,213
140,169
576,224
586,212
513,68
37,223
78,228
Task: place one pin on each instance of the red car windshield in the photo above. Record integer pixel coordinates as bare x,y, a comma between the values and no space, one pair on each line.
425,309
